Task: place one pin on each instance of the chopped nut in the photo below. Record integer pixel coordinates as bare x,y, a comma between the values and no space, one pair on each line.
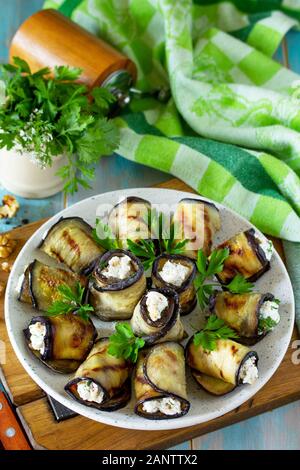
7,245
9,208
2,288
5,266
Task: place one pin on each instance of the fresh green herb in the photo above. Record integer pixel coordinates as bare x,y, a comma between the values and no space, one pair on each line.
47,116
164,230
239,285
208,267
214,329
266,324
104,237
71,301
124,343
277,301
144,249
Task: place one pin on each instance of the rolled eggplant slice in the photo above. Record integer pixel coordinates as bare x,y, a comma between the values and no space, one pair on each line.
160,383
176,272
129,219
70,242
212,385
244,312
249,256
118,283
40,284
156,317
102,381
198,221
231,362
62,343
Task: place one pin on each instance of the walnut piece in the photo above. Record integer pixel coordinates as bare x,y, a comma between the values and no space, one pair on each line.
9,208
7,245
5,267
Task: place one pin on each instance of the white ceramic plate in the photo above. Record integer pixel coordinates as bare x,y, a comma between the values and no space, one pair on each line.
204,407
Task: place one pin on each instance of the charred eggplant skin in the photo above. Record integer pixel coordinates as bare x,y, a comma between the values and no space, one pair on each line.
248,340
27,292
48,358
123,283
257,250
120,397
86,269
187,287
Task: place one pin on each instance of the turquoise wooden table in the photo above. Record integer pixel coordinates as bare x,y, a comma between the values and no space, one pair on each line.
115,173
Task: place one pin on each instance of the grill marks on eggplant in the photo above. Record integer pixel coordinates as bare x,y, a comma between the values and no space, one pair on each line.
41,282
186,292
246,258
240,312
111,374
68,341
70,242
116,299
168,328
160,372
198,221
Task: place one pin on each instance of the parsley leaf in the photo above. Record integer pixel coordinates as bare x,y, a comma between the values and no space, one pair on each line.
144,249
239,285
71,301
103,235
124,343
266,324
214,329
207,267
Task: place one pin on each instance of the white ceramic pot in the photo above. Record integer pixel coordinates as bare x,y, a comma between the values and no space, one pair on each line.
22,177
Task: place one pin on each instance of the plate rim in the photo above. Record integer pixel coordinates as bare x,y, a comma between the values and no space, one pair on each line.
105,418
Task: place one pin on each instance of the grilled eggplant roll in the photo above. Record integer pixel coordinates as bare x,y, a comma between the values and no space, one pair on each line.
130,220
40,284
160,383
102,381
70,242
249,256
176,272
212,385
196,220
231,362
251,315
156,317
62,342
118,284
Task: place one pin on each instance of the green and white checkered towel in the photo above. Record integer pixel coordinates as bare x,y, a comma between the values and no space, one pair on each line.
216,58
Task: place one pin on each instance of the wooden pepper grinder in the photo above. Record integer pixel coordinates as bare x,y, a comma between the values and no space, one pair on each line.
48,38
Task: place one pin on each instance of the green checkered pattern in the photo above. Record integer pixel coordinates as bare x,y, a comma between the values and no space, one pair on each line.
216,57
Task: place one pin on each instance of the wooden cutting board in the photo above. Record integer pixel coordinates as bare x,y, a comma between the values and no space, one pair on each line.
82,433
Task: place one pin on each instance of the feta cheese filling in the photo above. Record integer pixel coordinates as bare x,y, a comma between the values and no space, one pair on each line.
269,311
168,406
89,391
266,245
37,336
174,273
249,372
118,267
156,304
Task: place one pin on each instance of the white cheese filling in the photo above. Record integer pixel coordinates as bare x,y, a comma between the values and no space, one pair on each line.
89,391
167,406
174,273
118,267
266,245
270,309
37,336
249,371
156,304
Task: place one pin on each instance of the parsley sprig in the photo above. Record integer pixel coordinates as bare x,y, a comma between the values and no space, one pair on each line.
214,330
124,343
266,324
240,285
144,249
48,116
72,301
103,235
